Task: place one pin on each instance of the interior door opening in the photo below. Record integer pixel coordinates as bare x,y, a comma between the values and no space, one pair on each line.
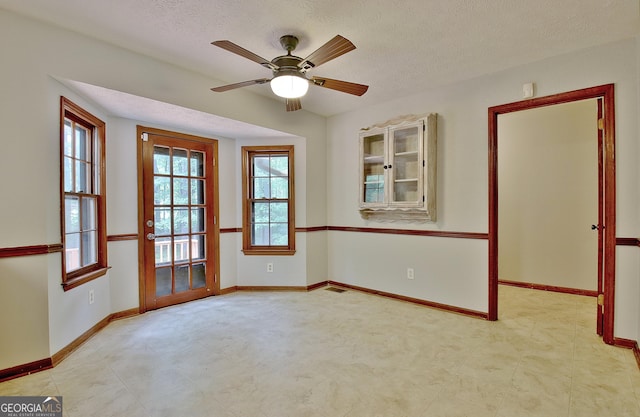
603,211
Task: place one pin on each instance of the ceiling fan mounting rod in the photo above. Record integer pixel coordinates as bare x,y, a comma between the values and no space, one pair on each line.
289,43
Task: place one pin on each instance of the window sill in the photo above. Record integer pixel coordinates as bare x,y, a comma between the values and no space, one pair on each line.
273,252
83,279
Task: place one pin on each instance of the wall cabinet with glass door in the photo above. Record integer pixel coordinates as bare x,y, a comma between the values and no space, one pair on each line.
398,169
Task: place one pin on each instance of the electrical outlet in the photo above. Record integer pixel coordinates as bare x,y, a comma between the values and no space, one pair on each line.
410,273
270,267
92,297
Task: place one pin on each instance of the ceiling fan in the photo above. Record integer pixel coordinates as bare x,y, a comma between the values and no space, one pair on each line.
289,71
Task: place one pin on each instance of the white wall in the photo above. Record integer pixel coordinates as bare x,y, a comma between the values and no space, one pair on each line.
548,195
462,187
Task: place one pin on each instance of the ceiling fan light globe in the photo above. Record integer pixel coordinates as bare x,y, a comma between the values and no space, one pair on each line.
289,86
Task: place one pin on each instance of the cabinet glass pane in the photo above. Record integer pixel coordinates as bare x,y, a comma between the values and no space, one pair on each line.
406,191
406,140
374,192
373,145
373,148
405,168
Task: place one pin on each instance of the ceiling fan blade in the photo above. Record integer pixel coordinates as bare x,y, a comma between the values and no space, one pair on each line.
330,50
239,50
293,104
343,86
228,87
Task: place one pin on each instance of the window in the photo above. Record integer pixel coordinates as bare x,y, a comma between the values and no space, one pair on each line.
268,226
82,185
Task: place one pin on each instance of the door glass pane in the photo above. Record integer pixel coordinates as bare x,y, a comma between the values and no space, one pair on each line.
162,221
181,247
197,247
182,277
180,220
163,250
163,281
180,191
180,162
161,160
197,220
197,191
161,190
197,164
198,276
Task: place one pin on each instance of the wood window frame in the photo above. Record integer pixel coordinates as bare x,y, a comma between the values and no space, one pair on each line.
248,152
70,110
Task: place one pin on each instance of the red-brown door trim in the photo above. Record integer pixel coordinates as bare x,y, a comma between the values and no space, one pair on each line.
606,92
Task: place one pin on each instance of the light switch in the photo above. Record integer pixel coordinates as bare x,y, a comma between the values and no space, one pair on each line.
527,90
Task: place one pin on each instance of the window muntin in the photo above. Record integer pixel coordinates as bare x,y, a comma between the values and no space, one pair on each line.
83,202
268,225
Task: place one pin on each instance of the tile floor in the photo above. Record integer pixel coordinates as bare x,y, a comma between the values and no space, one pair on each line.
348,354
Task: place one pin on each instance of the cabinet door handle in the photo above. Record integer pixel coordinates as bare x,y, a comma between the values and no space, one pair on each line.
385,167
389,166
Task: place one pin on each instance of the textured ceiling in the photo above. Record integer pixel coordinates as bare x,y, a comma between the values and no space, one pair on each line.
402,46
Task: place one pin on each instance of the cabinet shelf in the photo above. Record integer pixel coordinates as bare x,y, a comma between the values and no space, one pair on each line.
410,154
402,180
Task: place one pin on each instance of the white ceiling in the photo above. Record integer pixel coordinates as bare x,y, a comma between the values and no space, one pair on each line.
403,46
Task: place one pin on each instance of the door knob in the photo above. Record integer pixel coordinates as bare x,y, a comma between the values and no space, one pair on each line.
151,236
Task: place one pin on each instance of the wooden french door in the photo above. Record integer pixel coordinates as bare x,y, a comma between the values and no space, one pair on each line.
179,234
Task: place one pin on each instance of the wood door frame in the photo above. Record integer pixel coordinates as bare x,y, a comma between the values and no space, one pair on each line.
608,199
141,218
